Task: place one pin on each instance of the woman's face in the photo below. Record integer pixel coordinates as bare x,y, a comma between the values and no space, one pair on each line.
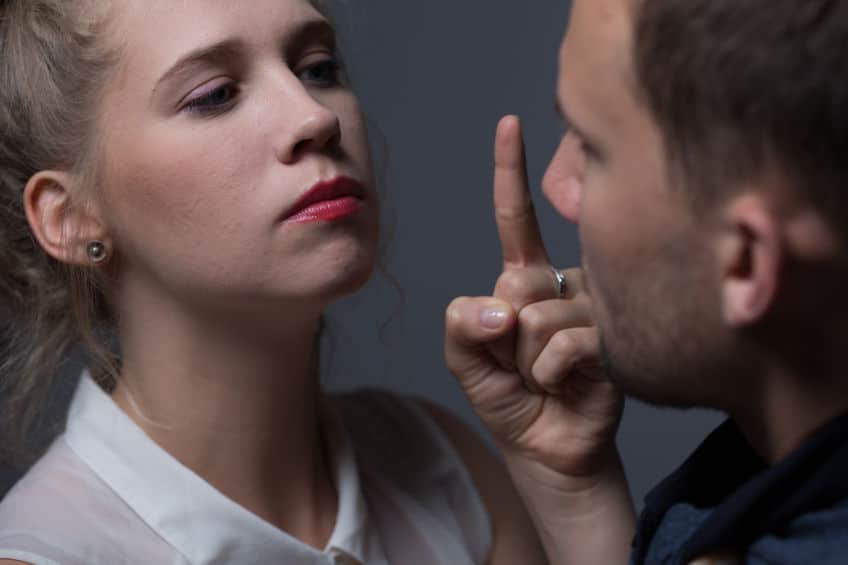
221,118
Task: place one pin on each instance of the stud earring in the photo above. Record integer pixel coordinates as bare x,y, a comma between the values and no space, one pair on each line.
96,251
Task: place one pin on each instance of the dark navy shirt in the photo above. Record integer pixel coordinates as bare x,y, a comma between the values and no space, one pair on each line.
725,498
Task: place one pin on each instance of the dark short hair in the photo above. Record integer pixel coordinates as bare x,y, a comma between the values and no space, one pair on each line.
743,87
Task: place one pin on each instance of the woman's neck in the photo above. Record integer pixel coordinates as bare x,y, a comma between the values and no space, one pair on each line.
238,407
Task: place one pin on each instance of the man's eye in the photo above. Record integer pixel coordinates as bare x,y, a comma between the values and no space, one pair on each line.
589,152
214,101
325,73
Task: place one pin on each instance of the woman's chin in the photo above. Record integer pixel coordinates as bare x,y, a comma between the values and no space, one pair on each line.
345,267
350,279
329,279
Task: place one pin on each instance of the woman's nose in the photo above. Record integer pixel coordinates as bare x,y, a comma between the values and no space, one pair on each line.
314,128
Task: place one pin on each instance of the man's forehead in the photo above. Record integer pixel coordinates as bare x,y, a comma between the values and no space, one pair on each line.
595,57
601,30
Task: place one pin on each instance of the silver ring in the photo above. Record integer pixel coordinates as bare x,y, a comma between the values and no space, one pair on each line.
562,286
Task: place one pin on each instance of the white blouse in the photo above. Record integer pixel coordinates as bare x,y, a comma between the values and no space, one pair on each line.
106,494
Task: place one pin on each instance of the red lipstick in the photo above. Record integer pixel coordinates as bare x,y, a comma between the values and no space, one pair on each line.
328,201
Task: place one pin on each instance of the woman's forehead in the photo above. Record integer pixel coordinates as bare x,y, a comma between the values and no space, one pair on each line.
178,23
154,34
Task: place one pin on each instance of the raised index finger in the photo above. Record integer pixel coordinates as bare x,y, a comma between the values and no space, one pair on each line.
521,239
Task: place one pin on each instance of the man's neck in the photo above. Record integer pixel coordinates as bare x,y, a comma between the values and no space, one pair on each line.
787,408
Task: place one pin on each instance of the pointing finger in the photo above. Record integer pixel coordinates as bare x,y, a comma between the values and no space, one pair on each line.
521,239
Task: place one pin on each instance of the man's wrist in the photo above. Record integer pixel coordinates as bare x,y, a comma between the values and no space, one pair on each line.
549,487
580,519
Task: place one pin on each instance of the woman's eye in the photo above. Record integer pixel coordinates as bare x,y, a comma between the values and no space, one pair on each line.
324,73
213,101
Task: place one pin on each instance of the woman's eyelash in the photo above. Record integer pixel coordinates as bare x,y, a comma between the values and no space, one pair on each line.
323,73
214,101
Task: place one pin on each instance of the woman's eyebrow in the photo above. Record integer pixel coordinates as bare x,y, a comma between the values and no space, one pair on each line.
296,39
309,31
221,51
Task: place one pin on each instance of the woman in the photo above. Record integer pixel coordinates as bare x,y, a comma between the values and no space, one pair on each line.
196,175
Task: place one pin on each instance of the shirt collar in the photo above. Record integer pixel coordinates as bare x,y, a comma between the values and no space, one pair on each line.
200,522
749,498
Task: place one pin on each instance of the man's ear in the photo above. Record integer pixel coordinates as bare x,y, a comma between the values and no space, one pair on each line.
61,223
751,252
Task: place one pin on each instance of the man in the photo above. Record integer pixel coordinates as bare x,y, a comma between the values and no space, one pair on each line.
706,163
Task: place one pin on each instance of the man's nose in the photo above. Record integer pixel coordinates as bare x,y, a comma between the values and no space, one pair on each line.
563,181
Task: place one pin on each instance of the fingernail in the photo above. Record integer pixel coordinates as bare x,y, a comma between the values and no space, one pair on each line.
493,318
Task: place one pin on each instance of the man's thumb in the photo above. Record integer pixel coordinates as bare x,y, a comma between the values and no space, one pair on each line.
471,324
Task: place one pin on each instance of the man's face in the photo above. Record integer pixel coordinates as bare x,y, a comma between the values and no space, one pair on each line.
648,260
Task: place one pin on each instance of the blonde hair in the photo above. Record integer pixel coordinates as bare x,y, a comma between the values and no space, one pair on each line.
51,71
54,64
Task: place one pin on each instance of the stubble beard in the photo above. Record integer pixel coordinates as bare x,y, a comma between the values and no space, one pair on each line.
663,343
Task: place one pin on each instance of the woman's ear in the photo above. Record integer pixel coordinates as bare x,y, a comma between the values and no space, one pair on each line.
63,226
751,254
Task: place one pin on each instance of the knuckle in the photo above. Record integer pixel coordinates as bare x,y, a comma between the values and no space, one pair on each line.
562,344
583,301
454,312
580,311
532,319
515,214
515,284
573,272
548,380
453,365
576,277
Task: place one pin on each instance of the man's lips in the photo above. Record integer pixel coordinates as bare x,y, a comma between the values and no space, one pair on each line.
327,201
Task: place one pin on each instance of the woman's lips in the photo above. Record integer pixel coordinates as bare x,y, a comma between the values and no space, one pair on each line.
328,201
328,210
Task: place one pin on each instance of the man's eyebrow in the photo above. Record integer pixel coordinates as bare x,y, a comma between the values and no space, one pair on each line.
566,119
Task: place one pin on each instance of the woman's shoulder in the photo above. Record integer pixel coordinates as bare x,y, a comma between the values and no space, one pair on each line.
60,511
514,538
412,476
36,513
58,486
411,437
420,445
396,434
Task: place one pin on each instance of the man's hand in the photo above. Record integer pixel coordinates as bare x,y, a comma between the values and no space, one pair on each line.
527,358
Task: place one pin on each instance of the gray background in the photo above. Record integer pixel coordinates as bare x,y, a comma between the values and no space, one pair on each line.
434,77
